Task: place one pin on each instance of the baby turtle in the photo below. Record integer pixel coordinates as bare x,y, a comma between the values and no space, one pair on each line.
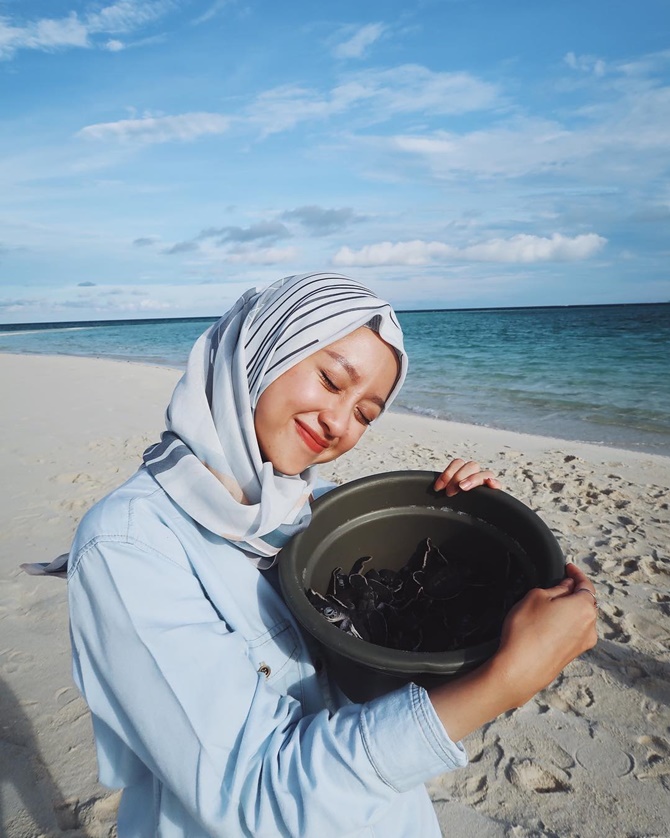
430,604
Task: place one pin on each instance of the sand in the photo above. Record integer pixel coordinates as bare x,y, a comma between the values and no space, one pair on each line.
588,757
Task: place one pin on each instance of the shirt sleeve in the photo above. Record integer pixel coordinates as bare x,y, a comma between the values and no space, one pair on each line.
160,668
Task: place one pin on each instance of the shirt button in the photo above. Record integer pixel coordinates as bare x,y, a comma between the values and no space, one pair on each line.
264,669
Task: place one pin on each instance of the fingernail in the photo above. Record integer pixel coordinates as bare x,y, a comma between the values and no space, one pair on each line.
465,484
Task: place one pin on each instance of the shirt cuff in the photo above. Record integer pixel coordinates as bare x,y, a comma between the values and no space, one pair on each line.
405,739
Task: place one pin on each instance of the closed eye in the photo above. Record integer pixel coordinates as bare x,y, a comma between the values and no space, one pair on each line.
362,417
328,382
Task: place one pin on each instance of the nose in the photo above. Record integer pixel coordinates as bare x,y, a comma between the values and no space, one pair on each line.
334,420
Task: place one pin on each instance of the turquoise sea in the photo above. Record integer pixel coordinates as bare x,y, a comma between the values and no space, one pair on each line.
590,373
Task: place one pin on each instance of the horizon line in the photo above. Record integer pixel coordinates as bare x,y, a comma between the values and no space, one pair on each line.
213,318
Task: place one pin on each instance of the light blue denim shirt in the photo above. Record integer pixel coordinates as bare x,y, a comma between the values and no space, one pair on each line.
207,707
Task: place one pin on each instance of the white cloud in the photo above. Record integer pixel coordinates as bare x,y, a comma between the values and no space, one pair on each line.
620,135
415,252
411,88
211,12
147,304
512,149
525,249
43,34
379,95
520,249
158,129
73,30
127,15
599,145
585,63
281,108
114,46
356,45
645,65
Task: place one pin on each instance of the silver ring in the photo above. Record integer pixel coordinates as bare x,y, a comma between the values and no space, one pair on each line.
586,591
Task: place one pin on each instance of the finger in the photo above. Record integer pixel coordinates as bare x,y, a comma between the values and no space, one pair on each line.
564,587
580,578
448,473
477,479
466,472
493,482
575,580
590,593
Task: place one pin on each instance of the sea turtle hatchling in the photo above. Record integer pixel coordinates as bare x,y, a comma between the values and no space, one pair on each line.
430,604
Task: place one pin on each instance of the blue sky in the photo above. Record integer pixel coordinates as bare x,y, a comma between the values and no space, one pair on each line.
158,157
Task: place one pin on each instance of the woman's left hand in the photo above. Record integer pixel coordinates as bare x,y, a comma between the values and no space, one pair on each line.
462,476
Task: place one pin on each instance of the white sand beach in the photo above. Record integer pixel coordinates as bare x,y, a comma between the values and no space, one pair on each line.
588,757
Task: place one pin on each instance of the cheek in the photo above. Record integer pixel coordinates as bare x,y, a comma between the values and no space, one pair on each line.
260,427
352,436
277,403
267,417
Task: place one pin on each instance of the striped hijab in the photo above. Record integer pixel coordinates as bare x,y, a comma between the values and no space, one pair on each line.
208,459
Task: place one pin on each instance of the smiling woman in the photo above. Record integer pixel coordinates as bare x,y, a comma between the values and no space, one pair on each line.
320,408
210,707
211,448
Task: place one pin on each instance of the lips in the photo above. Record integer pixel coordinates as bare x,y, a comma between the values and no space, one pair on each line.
312,440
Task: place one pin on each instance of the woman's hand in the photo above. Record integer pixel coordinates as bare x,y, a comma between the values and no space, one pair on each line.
546,630
459,475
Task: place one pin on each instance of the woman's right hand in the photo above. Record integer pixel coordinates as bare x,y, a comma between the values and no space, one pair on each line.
546,630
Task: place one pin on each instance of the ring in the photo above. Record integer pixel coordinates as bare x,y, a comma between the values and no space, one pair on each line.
586,591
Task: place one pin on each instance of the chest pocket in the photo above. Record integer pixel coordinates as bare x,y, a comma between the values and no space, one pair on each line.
275,657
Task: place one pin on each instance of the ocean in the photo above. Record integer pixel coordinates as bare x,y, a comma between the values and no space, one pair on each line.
590,373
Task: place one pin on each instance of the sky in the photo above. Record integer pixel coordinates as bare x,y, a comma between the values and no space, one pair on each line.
159,157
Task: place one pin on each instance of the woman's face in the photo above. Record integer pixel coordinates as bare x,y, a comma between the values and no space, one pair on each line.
320,408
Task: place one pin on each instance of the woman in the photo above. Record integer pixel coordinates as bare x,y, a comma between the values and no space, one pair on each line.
207,702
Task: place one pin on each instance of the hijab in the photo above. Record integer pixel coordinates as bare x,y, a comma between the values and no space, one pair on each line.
208,460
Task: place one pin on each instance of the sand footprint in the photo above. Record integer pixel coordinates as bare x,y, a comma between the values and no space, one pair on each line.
490,749
95,817
653,566
527,775
69,713
662,600
569,695
14,660
657,758
611,617
67,816
475,790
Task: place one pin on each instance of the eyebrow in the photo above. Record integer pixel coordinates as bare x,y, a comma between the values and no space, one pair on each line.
353,374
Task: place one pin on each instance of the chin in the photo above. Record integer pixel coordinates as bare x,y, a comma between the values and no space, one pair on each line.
290,468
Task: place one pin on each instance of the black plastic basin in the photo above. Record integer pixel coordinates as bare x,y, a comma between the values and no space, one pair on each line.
385,516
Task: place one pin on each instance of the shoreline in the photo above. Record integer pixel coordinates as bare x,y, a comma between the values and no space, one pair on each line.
586,757
535,441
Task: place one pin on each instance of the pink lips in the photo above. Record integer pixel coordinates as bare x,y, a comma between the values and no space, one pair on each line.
313,441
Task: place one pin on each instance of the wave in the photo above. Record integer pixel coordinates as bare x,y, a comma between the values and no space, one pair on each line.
10,333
